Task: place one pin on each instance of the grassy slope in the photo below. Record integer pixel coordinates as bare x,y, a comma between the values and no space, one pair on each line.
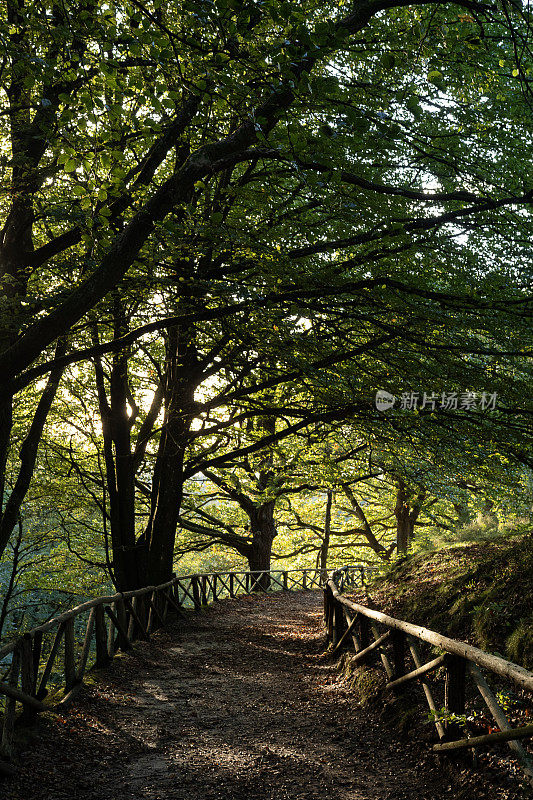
481,593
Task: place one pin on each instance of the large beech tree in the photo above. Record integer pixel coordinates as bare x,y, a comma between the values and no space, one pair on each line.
368,152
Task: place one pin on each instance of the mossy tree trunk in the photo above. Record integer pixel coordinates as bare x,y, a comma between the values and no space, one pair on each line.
407,510
324,549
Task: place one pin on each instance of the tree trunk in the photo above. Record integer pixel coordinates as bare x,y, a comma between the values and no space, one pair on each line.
119,469
401,512
183,376
167,494
6,426
464,515
28,453
121,459
125,554
260,550
324,549
367,532
14,574
16,236
403,532
407,513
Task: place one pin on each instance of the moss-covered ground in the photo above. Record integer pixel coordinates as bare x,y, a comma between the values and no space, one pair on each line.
481,593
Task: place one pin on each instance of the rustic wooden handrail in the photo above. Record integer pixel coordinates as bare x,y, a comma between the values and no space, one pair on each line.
346,620
113,623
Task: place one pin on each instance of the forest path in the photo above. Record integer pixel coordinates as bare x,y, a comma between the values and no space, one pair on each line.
240,705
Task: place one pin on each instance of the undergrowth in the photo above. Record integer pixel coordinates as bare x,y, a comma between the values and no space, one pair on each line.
481,592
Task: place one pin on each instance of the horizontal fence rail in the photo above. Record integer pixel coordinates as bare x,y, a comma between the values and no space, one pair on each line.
371,632
59,652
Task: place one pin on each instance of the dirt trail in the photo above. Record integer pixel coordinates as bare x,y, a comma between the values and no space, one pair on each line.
240,706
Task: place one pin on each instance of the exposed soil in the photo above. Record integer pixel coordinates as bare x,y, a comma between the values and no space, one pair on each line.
243,704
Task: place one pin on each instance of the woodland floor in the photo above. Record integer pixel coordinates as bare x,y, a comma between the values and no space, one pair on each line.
241,704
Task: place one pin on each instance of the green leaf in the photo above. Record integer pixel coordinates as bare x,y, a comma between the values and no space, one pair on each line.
414,107
434,76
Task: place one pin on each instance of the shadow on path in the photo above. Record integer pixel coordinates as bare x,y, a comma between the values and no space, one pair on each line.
241,706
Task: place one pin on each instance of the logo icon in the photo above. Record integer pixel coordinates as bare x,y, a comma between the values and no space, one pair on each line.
384,400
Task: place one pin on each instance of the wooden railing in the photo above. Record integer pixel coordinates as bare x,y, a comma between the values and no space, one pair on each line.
90,634
373,632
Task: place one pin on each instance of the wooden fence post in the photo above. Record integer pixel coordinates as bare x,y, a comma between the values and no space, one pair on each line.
176,593
70,655
329,620
215,587
86,647
203,590
364,631
111,633
285,580
122,618
132,624
155,614
42,690
100,636
144,613
136,620
9,714
231,584
398,654
196,593
37,652
27,678
119,619
339,622
382,654
413,647
352,622
304,580
454,693
500,718
326,604
150,613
